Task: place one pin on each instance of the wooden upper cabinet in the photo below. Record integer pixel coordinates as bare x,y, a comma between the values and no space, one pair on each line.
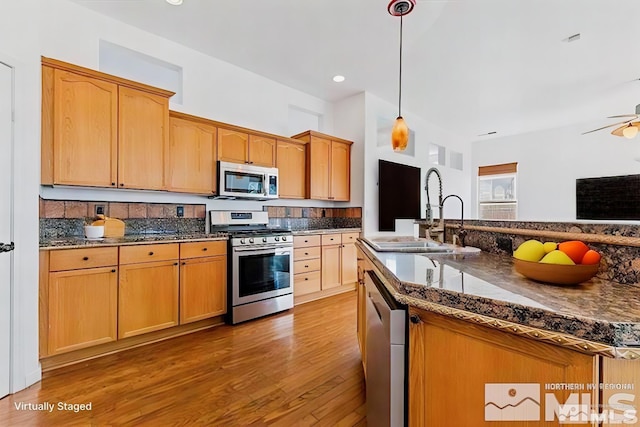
100,130
143,139
262,151
191,165
85,114
328,166
291,164
319,168
233,146
340,171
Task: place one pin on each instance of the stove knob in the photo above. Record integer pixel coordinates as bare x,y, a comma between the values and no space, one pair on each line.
264,239
251,240
277,239
284,238
242,241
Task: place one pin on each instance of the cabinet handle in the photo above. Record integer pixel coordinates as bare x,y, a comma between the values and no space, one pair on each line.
331,198
306,266
121,184
150,253
113,271
86,258
113,183
306,278
415,319
175,263
184,263
306,253
306,241
204,249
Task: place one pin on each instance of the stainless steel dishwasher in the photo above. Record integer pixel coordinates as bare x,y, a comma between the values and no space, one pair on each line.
386,356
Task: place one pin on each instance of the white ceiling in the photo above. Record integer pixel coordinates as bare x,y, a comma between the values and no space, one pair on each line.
472,66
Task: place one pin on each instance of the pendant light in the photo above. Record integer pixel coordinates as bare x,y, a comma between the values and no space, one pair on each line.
400,131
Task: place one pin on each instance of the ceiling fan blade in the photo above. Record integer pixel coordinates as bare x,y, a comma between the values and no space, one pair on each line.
635,116
608,126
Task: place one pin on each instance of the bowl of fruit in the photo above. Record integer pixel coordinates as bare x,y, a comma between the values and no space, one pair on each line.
566,263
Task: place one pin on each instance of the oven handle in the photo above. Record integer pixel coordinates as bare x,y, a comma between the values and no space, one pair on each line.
280,249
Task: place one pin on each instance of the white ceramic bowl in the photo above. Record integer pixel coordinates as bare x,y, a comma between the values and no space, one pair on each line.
93,231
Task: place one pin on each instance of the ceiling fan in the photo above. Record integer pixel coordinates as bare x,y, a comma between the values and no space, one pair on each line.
629,128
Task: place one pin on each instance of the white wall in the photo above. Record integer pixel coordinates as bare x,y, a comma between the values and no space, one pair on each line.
453,181
21,50
212,88
550,161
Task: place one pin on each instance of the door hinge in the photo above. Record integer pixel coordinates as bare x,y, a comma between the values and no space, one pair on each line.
4,247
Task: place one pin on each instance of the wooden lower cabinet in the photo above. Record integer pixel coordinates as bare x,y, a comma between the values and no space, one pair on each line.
82,307
148,297
451,361
339,260
331,261
203,288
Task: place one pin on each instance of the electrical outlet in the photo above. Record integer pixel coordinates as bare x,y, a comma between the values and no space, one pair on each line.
99,209
180,211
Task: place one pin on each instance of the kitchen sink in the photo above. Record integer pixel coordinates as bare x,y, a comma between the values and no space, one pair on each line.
407,244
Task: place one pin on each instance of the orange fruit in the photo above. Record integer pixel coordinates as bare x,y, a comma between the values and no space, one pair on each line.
591,257
575,249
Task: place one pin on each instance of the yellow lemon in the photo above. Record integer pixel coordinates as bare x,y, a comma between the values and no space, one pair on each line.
550,246
531,250
557,257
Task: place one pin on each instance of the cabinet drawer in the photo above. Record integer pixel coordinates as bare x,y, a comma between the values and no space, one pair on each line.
307,265
349,237
74,259
306,253
147,253
306,241
202,249
306,283
331,239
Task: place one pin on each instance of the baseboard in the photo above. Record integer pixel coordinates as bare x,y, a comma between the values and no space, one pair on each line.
324,293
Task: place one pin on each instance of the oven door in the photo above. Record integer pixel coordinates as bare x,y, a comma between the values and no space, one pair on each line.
260,273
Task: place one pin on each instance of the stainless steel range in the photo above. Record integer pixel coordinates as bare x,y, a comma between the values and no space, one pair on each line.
260,264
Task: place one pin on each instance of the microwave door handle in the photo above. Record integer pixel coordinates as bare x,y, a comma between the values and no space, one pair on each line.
265,187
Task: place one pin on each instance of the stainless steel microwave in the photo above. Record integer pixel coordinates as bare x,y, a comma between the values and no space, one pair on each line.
241,181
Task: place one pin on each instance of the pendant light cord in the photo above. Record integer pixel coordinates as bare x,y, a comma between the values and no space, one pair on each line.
400,79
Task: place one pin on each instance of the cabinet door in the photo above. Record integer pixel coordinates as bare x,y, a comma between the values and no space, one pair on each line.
148,297
143,138
331,267
82,308
340,171
262,151
320,156
291,162
192,157
85,122
203,288
349,264
233,146
476,356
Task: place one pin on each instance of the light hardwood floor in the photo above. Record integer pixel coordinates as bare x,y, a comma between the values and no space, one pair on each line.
301,367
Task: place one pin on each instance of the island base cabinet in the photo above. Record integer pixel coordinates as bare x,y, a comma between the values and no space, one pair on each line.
148,297
462,374
203,288
82,308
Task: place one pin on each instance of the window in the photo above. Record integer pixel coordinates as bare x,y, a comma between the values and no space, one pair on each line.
497,198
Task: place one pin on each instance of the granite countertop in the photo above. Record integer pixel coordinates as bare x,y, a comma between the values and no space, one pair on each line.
326,231
134,239
486,284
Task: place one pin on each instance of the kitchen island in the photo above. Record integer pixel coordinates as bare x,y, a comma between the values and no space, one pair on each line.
478,330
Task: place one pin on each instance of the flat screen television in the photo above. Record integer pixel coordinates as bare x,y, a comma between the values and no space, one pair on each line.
398,194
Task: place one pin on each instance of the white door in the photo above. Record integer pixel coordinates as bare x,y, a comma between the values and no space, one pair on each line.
6,208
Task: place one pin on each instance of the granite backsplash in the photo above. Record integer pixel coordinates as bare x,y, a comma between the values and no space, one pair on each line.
620,261
66,218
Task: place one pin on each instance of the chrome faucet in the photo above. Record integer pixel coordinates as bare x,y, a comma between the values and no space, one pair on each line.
438,231
461,231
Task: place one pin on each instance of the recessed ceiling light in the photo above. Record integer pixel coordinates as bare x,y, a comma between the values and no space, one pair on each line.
175,2
338,79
